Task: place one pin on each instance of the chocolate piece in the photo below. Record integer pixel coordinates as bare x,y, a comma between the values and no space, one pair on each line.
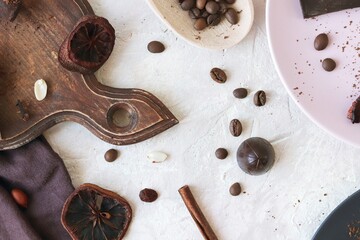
312,8
354,111
255,156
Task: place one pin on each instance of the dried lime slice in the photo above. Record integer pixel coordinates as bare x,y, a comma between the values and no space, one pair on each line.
93,213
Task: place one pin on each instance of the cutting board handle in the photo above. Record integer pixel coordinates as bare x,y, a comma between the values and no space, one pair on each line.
122,116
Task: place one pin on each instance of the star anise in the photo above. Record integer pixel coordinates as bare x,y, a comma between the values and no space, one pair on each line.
93,213
88,46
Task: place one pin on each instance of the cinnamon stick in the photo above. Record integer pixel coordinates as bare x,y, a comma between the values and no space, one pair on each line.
197,214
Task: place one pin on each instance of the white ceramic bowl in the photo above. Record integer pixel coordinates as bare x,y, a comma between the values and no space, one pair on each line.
222,36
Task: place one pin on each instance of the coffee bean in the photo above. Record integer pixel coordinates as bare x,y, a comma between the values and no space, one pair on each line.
200,24
221,153
200,4
20,197
204,14
213,19
328,64
223,8
235,127
218,75
211,10
321,41
111,155
212,7
194,13
232,16
240,93
260,98
148,195
187,4
235,189
155,47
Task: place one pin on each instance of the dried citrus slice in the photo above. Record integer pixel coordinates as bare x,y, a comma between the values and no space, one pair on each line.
88,45
93,213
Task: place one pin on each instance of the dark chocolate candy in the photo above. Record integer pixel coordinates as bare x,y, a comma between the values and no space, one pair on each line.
312,8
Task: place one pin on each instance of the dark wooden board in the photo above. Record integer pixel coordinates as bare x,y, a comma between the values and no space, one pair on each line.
28,51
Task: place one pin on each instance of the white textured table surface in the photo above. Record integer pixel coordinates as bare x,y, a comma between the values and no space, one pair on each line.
313,172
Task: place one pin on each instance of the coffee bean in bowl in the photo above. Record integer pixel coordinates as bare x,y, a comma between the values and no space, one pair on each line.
187,4
212,36
232,16
212,7
200,4
209,11
213,19
200,24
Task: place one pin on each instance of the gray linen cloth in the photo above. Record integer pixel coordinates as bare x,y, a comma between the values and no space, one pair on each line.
37,170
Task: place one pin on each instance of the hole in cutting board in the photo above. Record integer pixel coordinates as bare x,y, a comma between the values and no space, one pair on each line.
122,117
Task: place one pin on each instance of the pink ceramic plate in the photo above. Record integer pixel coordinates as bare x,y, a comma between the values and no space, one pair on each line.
324,96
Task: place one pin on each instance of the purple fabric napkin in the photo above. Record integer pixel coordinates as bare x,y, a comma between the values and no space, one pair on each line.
37,170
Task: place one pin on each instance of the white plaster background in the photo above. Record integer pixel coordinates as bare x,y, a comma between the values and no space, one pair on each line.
286,203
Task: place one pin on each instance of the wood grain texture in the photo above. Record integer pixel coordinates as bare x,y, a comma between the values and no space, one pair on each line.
28,51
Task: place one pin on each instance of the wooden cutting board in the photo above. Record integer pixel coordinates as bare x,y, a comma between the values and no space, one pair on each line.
28,52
